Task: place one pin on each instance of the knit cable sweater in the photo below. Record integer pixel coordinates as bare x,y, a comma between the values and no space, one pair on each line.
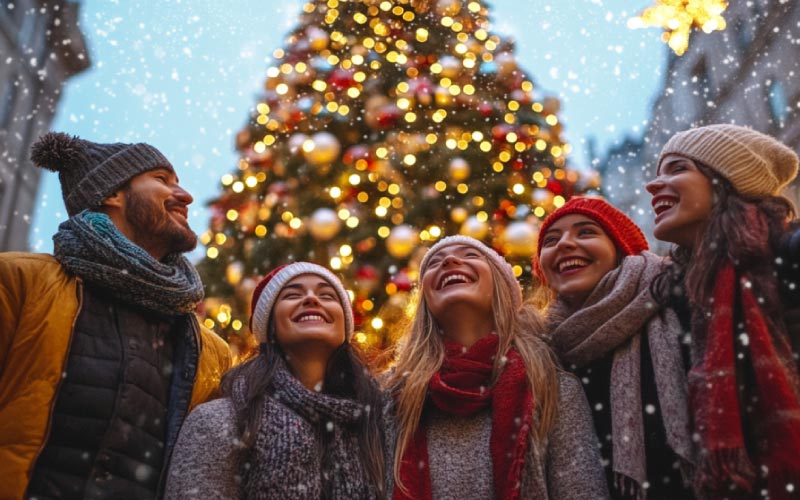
208,462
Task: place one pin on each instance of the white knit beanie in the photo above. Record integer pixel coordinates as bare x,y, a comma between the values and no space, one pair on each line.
756,164
507,272
267,290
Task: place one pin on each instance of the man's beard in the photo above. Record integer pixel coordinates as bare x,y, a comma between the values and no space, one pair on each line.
155,227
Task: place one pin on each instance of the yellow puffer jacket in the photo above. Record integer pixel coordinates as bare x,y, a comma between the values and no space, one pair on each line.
39,305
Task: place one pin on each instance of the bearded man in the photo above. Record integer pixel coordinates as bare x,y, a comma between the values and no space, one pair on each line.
101,356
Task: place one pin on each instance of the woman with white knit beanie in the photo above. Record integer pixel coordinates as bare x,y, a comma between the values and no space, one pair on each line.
301,420
481,409
718,197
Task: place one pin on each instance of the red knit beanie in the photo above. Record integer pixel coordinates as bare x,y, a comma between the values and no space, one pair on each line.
625,234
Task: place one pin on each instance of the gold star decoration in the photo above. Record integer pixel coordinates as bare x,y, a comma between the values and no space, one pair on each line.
678,17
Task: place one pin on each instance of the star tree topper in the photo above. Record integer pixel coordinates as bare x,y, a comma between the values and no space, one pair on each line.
678,17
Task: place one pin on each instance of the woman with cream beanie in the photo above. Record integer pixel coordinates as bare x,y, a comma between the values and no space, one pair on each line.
718,197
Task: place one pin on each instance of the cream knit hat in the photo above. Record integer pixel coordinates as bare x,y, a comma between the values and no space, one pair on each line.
756,164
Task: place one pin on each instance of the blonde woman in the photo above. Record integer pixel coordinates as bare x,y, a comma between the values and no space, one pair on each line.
482,411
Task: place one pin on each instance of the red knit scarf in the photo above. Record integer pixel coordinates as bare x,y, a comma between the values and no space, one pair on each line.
715,403
461,387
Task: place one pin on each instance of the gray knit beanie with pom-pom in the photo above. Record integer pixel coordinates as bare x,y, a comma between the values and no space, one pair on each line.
89,172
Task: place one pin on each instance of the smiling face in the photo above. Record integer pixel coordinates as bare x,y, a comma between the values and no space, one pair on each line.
155,213
576,253
307,312
457,275
682,201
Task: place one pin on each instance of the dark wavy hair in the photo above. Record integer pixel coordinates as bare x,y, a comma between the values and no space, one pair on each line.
346,376
745,232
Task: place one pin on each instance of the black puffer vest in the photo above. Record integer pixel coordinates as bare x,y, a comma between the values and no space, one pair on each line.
110,416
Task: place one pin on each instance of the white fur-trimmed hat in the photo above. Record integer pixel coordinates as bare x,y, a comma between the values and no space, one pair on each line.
506,270
267,290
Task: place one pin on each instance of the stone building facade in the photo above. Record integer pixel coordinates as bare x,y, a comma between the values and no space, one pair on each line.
748,74
41,46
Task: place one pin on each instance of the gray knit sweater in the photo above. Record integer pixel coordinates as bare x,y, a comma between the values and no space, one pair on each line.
461,467
284,461
204,464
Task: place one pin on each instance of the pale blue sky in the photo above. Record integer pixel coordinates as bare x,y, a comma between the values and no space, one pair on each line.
183,74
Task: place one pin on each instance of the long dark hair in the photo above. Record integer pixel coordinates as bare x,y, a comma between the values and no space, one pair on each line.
346,376
745,232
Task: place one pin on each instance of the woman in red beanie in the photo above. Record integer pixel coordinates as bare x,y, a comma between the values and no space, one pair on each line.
606,327
717,197
303,419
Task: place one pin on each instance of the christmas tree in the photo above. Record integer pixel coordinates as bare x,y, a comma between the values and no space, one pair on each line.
384,126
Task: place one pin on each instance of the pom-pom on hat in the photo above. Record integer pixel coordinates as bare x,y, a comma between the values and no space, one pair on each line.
89,172
506,270
625,234
267,290
756,164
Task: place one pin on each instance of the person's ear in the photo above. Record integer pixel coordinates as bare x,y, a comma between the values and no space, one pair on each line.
114,200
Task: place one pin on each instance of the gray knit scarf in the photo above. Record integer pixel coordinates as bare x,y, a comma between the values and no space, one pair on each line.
284,461
90,246
616,313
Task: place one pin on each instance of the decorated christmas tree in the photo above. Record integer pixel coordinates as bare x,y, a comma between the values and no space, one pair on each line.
384,125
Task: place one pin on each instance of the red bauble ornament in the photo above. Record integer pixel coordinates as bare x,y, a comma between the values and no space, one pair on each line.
355,153
401,280
485,109
499,215
341,79
358,318
555,187
499,132
388,116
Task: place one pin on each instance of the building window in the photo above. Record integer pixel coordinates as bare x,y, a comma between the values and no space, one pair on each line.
778,104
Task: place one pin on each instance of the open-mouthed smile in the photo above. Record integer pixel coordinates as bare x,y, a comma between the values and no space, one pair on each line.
571,264
454,279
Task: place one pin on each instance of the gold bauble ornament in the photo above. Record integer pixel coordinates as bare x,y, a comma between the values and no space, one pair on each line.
322,148
474,228
458,169
443,97
451,67
459,215
317,38
519,239
401,241
324,224
234,272
448,7
296,142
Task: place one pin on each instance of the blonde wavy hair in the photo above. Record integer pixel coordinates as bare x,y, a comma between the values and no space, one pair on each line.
421,354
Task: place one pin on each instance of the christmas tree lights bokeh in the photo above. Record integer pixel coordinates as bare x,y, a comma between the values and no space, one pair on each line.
384,126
